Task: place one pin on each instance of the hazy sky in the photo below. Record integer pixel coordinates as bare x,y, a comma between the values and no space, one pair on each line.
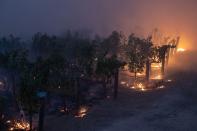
24,17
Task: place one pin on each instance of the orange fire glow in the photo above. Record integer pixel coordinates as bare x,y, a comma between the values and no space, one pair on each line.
181,50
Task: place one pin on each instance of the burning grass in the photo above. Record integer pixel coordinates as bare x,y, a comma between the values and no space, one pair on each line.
139,86
18,125
143,86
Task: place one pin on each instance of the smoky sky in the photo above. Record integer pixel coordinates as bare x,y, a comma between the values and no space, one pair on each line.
173,17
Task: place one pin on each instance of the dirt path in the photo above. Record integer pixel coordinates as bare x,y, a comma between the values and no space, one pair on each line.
175,111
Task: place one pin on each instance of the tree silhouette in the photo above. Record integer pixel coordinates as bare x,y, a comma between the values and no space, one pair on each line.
137,51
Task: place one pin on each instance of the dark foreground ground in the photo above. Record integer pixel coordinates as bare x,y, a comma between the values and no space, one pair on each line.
173,108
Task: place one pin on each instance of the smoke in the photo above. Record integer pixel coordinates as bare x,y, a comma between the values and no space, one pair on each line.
183,62
172,17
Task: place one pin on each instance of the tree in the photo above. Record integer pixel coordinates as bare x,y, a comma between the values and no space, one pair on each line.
10,43
33,78
13,57
15,62
40,44
147,49
136,55
163,52
2,110
116,64
109,53
103,70
84,55
111,45
28,95
106,69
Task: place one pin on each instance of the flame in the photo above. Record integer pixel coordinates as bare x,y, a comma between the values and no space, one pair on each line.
19,125
139,86
143,89
181,50
158,77
82,112
126,67
140,74
156,65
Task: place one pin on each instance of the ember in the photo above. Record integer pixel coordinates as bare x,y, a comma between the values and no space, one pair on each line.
1,83
82,112
123,83
8,121
161,87
63,110
139,87
169,80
